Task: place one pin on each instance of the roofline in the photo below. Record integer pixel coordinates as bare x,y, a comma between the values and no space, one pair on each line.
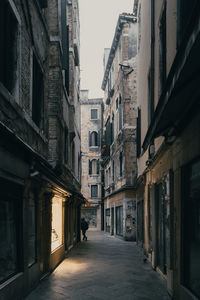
123,18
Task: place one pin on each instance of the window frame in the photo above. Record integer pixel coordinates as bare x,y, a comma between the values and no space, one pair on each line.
94,166
92,119
95,139
91,192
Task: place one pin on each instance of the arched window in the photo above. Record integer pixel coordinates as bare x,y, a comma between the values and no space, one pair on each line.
94,167
93,139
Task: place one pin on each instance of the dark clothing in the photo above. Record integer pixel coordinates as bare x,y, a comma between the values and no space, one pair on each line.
84,227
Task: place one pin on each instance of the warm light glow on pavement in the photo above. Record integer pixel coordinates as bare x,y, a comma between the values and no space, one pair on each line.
72,266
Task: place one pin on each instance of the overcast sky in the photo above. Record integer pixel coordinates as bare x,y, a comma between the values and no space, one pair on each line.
98,19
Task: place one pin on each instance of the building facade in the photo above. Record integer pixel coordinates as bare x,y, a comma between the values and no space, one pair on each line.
168,183
119,126
40,144
91,131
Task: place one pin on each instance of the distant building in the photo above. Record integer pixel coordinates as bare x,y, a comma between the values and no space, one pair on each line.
119,127
168,139
40,140
91,131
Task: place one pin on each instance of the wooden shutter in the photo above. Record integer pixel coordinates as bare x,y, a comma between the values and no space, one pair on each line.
98,166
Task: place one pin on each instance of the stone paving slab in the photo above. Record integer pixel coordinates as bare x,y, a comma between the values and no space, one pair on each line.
102,268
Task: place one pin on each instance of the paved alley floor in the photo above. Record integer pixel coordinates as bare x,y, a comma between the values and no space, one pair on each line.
103,268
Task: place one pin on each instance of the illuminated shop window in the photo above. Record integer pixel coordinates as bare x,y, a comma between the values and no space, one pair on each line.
56,232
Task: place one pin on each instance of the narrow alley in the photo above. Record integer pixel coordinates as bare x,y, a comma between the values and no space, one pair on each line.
104,267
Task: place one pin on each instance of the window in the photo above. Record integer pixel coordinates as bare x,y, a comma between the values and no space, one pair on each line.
8,47
120,164
117,103
56,232
66,146
106,178
113,171
120,113
109,176
112,128
94,191
162,51
94,139
94,114
93,167
108,135
191,228
37,94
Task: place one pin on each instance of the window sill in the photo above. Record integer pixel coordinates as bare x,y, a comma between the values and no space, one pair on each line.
10,280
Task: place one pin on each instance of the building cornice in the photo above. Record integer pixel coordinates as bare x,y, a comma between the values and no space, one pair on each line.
122,189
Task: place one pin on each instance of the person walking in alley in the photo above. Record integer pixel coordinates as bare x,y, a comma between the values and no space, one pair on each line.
84,227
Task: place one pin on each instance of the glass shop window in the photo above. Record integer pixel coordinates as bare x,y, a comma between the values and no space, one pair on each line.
56,232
